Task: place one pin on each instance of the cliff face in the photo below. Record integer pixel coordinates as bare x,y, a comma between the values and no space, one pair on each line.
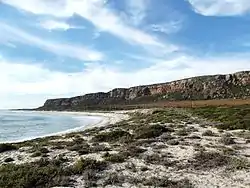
197,88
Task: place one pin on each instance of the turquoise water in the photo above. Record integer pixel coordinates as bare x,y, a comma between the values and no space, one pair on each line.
19,126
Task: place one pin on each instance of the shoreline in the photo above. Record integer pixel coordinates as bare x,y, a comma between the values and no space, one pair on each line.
105,119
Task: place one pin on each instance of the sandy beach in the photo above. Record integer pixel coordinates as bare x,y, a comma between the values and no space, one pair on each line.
106,118
141,148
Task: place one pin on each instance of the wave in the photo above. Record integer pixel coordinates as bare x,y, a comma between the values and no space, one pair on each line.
82,119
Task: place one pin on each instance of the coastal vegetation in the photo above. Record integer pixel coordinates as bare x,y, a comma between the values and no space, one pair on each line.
7,147
164,147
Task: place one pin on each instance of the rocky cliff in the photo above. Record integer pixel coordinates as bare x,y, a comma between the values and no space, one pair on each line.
235,85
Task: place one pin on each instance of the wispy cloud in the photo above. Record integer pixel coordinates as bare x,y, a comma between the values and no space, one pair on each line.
168,27
14,34
58,25
98,14
221,7
137,10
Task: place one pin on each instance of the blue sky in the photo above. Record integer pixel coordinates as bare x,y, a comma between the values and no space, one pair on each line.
62,48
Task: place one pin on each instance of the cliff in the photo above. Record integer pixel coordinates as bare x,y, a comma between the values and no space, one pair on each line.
235,85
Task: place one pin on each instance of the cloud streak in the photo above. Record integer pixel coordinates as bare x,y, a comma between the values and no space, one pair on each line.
58,25
14,34
95,12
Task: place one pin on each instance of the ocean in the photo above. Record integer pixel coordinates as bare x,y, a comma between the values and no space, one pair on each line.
25,125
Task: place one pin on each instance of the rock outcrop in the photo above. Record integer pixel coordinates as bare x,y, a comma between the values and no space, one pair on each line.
197,88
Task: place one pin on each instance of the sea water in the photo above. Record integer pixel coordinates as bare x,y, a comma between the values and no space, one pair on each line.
25,125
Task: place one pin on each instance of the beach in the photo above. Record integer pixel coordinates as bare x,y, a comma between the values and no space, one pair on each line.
138,148
27,125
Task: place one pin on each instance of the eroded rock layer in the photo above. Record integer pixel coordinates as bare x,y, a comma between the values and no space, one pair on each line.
235,85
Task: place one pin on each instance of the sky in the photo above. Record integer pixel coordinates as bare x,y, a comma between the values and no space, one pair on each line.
64,48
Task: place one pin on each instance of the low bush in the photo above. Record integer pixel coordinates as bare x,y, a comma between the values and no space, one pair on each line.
166,182
227,140
158,160
150,131
229,117
42,174
208,160
132,151
112,136
44,150
114,158
173,142
208,133
7,147
36,154
88,164
90,178
114,179
239,164
8,160
182,132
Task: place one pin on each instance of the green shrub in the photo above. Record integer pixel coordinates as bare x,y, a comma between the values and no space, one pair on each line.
83,147
173,142
7,147
158,160
8,160
88,164
114,158
132,151
44,150
182,132
39,151
36,154
166,182
99,147
90,178
208,160
43,174
239,164
150,131
227,140
208,133
114,179
112,136
229,117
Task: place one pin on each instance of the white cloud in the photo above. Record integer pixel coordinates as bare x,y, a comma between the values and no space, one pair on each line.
137,10
167,28
13,34
43,7
27,85
58,25
221,7
97,13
